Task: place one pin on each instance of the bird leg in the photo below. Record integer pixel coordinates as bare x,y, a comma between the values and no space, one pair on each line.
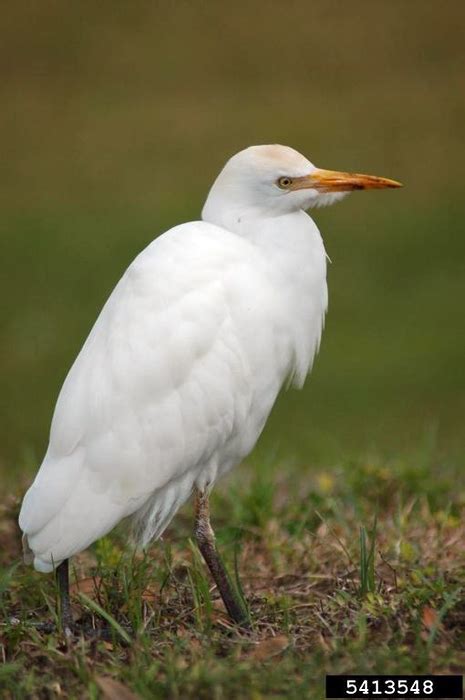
62,577
206,542
66,624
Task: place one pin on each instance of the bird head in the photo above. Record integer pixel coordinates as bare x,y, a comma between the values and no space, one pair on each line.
274,180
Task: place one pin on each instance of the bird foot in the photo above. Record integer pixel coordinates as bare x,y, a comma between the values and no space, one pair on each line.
72,630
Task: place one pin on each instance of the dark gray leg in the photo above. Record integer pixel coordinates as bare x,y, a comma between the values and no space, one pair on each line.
206,542
62,576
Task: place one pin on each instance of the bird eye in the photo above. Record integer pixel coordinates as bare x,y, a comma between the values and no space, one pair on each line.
284,182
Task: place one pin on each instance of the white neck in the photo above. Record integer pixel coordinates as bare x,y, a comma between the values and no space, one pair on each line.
234,218
295,258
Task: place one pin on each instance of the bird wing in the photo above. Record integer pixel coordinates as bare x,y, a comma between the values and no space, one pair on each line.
160,383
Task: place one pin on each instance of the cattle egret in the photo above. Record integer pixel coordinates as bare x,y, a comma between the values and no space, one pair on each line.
178,376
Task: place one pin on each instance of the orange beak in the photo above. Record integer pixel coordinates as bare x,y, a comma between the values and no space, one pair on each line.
334,181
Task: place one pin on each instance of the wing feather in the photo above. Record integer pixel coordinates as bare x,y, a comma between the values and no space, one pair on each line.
158,385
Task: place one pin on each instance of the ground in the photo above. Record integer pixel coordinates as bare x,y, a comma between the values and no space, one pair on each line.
355,568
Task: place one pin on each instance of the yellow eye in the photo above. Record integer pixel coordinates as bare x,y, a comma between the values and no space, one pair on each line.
284,182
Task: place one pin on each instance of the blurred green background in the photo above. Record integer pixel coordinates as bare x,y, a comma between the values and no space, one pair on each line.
115,119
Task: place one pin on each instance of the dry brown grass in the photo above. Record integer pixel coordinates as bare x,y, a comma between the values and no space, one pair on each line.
300,569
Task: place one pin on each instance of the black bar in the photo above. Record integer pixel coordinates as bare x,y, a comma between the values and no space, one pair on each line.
394,687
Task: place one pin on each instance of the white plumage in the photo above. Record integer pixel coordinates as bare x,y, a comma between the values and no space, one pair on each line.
181,369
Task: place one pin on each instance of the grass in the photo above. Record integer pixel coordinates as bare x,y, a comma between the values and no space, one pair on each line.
329,589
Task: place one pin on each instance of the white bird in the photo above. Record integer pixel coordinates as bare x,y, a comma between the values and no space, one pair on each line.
178,376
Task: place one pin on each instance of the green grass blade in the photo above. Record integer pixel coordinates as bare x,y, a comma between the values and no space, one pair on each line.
106,616
367,560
